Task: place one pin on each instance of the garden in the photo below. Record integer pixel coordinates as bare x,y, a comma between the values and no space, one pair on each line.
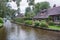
39,24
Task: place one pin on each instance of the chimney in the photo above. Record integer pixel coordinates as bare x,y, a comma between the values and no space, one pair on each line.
54,5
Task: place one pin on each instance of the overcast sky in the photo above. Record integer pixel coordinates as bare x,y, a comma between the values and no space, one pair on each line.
24,4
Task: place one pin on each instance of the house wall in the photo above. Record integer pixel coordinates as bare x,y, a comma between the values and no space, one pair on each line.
55,19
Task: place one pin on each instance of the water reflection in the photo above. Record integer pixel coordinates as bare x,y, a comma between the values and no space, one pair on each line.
17,32
38,34
2,34
11,30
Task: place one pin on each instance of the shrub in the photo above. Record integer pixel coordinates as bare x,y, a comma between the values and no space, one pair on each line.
51,23
43,21
29,22
36,23
43,24
1,20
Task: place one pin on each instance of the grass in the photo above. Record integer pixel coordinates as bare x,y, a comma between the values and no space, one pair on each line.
54,27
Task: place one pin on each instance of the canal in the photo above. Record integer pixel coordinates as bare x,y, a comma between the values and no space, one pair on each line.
13,31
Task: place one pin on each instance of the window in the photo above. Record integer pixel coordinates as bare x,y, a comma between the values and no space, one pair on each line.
57,18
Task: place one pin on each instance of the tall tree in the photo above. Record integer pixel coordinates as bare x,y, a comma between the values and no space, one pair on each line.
28,9
31,3
18,4
29,12
36,7
4,10
39,6
44,5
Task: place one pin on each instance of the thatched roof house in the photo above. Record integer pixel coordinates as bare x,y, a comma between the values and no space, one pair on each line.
52,12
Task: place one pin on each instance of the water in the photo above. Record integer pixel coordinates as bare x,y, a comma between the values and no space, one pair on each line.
16,32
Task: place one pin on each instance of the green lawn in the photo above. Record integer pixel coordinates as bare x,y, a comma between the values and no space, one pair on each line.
54,27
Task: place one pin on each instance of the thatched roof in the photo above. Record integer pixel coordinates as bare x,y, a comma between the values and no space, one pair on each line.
54,11
20,15
48,12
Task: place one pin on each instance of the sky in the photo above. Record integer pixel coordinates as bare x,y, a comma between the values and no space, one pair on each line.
12,5
24,4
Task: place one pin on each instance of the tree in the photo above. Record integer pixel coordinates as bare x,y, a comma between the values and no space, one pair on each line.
28,9
11,13
44,5
29,12
36,8
18,4
4,10
39,6
30,2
